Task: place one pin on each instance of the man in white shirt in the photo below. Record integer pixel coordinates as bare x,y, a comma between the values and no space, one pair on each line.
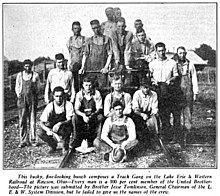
56,119
145,106
27,87
60,76
163,72
186,92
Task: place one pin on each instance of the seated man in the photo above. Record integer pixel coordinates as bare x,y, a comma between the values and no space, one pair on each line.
56,120
117,95
145,106
88,108
118,132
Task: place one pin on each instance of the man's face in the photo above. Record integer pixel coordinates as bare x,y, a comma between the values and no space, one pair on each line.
120,27
141,37
87,86
110,15
161,52
117,14
27,68
145,90
182,54
138,25
117,85
58,97
118,111
96,29
60,63
76,29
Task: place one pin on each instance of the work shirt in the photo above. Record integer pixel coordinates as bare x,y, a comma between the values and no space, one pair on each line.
139,49
75,46
98,40
108,27
109,101
145,103
122,46
163,70
107,127
58,110
63,78
26,76
96,96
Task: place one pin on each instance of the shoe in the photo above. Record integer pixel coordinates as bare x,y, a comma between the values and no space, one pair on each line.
36,144
52,150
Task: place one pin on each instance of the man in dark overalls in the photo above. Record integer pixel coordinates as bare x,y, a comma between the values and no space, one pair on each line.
118,132
88,118
56,120
27,88
97,56
184,94
117,95
76,45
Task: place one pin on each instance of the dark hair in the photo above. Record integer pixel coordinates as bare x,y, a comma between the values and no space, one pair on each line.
88,79
181,47
160,44
108,8
58,89
28,61
94,22
121,19
59,56
138,20
117,103
76,23
116,77
140,31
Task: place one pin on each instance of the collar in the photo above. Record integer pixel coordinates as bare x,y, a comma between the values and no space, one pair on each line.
144,96
77,36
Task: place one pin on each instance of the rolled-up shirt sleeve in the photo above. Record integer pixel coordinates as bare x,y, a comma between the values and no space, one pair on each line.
98,100
127,52
131,130
194,79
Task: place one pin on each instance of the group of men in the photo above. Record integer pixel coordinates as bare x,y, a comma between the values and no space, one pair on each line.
165,86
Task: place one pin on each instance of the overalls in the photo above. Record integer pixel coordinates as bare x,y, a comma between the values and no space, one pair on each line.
64,130
76,55
186,102
27,105
86,130
114,99
96,61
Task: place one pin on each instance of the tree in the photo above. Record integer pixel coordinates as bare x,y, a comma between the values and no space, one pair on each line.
14,67
207,53
40,60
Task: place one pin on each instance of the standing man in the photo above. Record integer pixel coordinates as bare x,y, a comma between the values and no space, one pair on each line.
27,88
56,120
187,89
97,55
110,25
75,46
118,135
163,71
60,76
121,41
88,118
145,106
142,52
117,95
117,13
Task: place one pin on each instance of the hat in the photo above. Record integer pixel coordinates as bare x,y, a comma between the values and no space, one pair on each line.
117,155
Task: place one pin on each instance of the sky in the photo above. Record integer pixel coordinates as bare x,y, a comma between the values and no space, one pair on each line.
33,30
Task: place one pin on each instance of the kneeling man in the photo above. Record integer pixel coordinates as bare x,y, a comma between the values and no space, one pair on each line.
56,121
118,134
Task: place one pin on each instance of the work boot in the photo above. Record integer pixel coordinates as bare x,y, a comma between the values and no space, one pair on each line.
52,150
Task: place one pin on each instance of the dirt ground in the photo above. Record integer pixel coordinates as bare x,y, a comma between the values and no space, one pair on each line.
200,152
